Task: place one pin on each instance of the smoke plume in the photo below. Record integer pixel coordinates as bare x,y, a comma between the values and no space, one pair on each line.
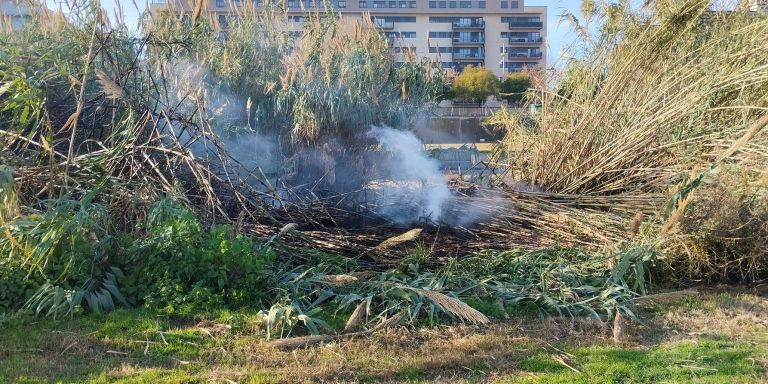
411,186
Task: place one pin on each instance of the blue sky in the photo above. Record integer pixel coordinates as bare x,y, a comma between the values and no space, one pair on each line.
558,34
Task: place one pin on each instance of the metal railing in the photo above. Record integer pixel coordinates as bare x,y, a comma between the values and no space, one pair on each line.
525,24
528,55
470,24
525,40
469,56
478,40
384,24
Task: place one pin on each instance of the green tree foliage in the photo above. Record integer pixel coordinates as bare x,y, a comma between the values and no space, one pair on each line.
513,88
476,83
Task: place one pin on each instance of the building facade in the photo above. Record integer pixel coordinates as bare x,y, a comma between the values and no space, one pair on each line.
14,14
502,35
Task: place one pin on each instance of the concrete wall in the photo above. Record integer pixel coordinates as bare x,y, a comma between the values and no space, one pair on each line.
453,130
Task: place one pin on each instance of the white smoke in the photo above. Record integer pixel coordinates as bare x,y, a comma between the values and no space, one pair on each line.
412,187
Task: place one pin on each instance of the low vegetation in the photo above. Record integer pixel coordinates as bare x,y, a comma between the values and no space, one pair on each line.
711,338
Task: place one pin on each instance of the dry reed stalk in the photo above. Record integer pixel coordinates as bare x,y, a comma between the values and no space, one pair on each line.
356,316
619,325
399,239
455,307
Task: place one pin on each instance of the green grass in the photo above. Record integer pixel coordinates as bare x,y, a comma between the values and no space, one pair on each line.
706,360
719,338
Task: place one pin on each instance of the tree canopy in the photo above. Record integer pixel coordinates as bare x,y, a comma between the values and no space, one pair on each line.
476,83
513,88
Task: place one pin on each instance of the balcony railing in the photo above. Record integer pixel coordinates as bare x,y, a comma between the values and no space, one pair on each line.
469,24
469,56
525,55
525,40
526,24
384,24
460,40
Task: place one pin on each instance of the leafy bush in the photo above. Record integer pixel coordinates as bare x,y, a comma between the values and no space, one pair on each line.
67,258
183,269
514,86
476,83
64,253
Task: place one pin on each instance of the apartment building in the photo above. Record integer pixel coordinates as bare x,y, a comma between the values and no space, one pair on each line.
502,35
14,14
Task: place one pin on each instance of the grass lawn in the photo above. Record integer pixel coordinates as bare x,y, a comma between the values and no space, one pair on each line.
715,338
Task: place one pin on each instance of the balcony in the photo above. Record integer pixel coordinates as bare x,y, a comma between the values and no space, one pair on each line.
526,24
473,24
384,24
526,55
468,41
525,40
472,56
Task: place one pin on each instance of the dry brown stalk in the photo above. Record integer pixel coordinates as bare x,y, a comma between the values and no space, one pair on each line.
455,307
356,316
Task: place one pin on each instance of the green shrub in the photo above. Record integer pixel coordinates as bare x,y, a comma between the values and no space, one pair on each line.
63,254
182,269
514,86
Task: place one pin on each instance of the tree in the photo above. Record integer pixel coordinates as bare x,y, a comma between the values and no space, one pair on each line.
445,91
476,83
514,87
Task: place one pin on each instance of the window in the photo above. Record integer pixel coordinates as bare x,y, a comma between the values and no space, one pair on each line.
292,3
404,35
505,4
481,4
433,4
394,19
403,4
412,4
258,3
451,4
379,4
440,35
342,4
440,49
362,4
514,4
223,22
526,19
442,4
393,4
219,3
465,4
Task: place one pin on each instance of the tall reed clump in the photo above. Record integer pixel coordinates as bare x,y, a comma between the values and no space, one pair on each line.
99,123
86,103
311,95
653,102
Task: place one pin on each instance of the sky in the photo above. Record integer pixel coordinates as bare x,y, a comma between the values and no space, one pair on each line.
559,34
